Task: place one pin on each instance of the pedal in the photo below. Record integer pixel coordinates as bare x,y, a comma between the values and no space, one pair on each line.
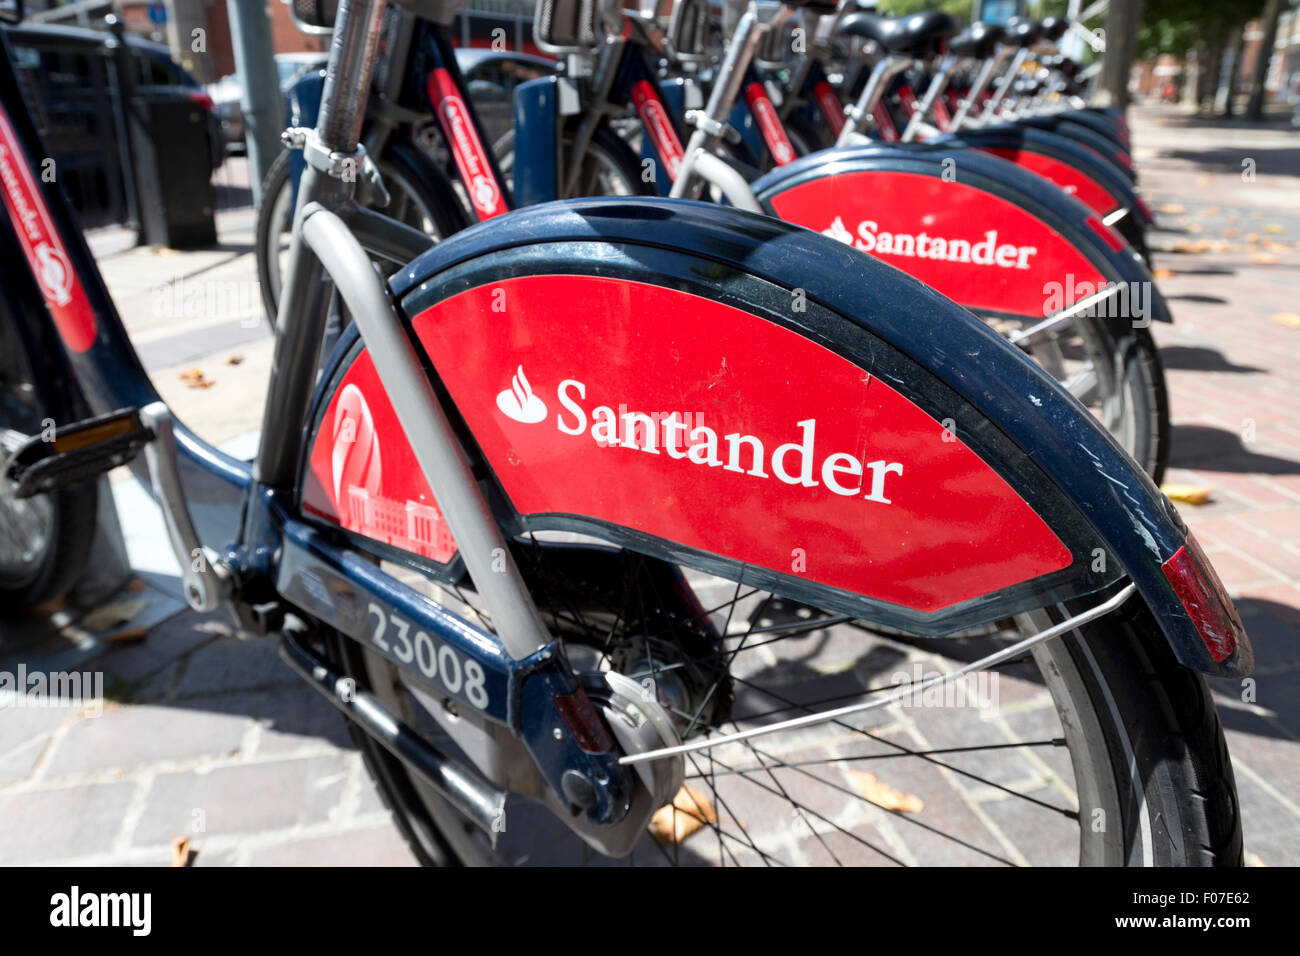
76,452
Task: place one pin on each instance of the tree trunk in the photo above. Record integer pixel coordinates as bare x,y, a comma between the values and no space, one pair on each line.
1234,74
1255,106
1210,79
1122,19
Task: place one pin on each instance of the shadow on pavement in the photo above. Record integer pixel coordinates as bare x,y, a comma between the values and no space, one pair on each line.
1203,446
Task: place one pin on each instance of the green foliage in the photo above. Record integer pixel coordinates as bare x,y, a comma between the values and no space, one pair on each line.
961,9
1176,26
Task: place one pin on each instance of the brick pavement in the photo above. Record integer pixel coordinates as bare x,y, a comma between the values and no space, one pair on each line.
214,738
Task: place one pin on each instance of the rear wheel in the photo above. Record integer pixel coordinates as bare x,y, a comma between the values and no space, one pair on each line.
43,539
1115,371
1109,752
411,201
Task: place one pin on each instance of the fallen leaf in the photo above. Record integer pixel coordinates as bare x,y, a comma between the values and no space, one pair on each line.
163,251
1194,227
1274,228
1252,859
1173,208
1290,319
182,855
234,360
1209,211
689,811
1191,494
1162,273
135,585
132,635
883,795
194,378
1264,258
111,615
1230,234
1252,238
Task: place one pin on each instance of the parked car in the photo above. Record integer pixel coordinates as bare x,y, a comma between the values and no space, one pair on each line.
226,92
69,80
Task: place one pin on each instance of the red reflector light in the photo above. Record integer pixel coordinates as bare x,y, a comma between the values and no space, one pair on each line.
1108,235
583,722
198,96
1204,599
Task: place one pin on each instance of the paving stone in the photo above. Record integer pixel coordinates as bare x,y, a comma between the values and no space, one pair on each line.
19,724
135,735
293,718
20,762
39,825
231,665
242,799
1045,836
376,846
167,643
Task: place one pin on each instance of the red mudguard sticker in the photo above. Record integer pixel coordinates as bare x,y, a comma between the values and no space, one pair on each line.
466,148
659,127
769,124
600,397
42,247
1079,185
830,104
976,248
363,475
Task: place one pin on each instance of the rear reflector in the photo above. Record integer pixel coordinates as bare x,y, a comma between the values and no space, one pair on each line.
1205,600
584,722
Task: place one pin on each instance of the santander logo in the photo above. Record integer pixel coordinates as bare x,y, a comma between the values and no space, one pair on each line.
519,402
769,123
659,126
467,150
796,462
985,251
55,274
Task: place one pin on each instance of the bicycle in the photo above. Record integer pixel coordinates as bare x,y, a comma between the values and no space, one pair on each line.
583,659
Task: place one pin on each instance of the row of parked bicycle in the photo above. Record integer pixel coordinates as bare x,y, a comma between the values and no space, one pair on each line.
680,474
802,116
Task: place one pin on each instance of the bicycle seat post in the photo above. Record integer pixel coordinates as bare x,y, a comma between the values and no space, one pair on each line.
334,161
758,18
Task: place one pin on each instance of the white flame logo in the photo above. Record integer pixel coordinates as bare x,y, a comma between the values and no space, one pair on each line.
836,230
55,275
519,402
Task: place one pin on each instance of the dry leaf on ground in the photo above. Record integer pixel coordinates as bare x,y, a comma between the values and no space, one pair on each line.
689,811
182,855
234,360
194,378
1162,273
1191,494
883,795
132,635
1290,319
1173,208
111,615
1264,258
